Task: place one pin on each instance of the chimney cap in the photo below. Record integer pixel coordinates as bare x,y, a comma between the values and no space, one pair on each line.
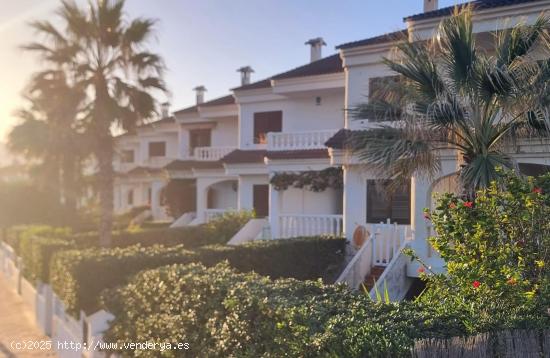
245,69
200,88
316,41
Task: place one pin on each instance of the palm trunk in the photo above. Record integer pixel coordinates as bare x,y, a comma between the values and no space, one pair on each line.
105,187
69,172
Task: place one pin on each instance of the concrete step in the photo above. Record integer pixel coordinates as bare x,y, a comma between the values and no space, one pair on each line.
373,276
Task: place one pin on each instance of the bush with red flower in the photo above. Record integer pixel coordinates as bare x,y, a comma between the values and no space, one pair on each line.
497,251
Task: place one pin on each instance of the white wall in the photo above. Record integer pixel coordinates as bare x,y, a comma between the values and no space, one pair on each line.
357,87
225,195
302,201
246,184
300,113
226,133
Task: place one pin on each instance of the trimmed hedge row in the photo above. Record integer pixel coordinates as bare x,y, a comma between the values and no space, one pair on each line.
78,277
300,258
37,244
223,313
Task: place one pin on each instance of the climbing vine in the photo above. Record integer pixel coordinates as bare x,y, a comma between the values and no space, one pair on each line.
316,181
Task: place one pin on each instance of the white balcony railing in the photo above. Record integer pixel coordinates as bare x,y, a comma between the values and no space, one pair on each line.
309,225
211,153
298,140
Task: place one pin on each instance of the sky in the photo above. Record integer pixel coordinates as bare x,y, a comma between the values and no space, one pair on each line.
204,42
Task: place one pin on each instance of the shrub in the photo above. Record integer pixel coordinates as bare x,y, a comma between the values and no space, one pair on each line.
496,250
37,252
221,313
299,258
224,227
78,276
14,236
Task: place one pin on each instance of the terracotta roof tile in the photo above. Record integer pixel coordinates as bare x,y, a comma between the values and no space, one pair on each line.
244,156
299,154
389,37
327,65
478,5
221,101
193,164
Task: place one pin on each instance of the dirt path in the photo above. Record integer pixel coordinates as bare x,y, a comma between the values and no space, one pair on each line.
17,326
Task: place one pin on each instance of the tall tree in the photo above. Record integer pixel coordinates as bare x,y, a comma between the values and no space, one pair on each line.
108,54
454,94
47,130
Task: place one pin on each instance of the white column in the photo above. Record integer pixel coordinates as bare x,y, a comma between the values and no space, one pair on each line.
274,210
245,201
156,207
183,143
355,200
420,199
202,199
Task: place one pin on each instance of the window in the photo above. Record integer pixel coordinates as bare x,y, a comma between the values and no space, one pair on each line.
377,92
383,204
199,138
265,122
157,149
130,197
127,156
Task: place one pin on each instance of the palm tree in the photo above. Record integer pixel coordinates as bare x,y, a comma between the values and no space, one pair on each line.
108,56
48,127
451,94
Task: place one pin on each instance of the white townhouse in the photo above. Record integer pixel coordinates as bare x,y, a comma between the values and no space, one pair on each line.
268,143
284,122
363,200
138,164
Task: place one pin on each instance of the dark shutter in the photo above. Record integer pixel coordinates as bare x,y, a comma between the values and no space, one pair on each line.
130,197
383,205
157,149
265,122
260,197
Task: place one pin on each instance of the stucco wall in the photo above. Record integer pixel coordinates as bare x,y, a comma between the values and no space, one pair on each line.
300,201
300,113
224,195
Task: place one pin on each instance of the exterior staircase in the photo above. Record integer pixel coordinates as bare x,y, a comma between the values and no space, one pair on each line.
379,259
373,276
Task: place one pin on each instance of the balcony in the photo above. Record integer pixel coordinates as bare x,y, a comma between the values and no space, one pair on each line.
279,141
211,153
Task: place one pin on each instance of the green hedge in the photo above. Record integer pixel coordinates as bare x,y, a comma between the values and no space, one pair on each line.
13,236
37,252
223,313
79,276
299,258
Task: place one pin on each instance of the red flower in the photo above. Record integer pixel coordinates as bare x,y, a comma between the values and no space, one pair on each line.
537,190
511,281
476,284
421,269
468,204
452,205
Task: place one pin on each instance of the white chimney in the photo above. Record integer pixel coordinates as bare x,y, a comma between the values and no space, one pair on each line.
245,71
200,93
430,5
165,109
316,48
